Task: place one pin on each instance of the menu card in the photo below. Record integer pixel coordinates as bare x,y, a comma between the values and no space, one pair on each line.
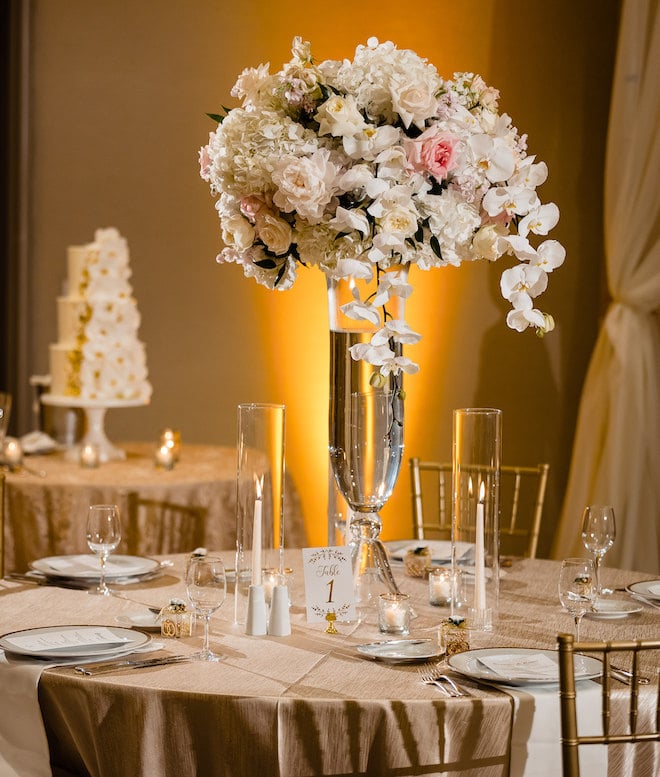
66,638
329,583
526,667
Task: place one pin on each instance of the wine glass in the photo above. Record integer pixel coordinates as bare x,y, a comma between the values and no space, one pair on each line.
577,589
598,533
103,536
206,584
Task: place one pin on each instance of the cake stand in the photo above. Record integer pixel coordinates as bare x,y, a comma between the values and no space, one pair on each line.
95,410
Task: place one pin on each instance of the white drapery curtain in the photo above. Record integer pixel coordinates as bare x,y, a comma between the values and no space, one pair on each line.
616,453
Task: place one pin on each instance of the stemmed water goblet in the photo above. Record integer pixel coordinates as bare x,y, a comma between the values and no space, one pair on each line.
103,537
577,589
206,584
598,533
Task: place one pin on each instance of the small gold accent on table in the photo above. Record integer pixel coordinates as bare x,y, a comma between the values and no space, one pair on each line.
175,620
454,635
417,561
331,617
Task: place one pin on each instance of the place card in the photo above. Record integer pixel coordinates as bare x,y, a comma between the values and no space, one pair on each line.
329,583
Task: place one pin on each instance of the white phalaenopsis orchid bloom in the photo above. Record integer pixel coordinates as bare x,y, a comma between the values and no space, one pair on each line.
395,330
361,311
521,317
521,282
493,156
549,255
512,200
392,284
382,356
540,220
346,220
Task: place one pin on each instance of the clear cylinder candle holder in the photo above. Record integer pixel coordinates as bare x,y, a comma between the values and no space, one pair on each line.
476,461
259,498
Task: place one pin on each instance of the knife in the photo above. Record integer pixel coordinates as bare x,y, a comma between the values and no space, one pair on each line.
113,666
40,580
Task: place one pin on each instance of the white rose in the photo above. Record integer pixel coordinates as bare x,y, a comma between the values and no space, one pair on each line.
305,185
414,103
237,232
338,116
274,232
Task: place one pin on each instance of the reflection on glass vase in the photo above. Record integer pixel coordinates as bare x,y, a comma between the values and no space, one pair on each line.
365,442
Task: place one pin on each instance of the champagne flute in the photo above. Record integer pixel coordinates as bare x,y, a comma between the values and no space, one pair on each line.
103,536
577,590
206,584
598,533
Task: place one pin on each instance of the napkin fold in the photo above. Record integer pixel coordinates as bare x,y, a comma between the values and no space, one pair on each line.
536,730
23,743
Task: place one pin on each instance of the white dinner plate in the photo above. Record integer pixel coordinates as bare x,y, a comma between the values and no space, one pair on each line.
470,664
605,609
148,621
440,549
88,567
649,589
73,641
398,651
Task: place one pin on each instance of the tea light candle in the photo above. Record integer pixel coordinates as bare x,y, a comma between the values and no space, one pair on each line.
13,454
394,613
273,577
172,439
164,457
440,586
90,456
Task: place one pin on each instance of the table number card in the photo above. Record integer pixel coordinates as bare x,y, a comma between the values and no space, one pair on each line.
329,583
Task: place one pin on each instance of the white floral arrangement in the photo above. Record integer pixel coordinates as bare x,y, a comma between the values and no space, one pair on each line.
358,166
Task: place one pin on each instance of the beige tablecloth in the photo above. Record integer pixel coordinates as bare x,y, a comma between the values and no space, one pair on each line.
46,515
307,704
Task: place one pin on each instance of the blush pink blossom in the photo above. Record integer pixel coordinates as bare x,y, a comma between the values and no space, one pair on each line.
433,152
251,207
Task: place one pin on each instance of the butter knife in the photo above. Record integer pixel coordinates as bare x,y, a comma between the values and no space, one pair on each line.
114,666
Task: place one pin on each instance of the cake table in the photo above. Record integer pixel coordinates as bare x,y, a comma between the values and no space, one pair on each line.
95,411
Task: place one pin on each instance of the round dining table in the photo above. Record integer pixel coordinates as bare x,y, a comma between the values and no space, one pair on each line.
305,704
165,510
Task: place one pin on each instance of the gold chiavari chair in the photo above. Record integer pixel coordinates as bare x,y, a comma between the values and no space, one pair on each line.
634,651
522,493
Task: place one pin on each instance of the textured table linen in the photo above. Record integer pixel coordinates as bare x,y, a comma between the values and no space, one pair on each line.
302,705
46,516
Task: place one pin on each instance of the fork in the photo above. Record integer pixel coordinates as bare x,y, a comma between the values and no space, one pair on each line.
429,676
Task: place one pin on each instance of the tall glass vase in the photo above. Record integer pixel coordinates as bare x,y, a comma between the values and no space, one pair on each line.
365,438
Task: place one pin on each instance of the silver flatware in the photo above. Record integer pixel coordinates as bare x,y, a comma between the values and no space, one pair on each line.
19,577
644,600
151,607
105,667
624,676
429,676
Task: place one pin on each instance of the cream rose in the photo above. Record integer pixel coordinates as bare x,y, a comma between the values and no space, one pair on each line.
237,232
274,233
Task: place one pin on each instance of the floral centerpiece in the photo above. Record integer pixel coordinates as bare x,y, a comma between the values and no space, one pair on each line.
358,166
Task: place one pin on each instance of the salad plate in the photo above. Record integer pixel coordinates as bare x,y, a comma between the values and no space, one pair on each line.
401,650
58,642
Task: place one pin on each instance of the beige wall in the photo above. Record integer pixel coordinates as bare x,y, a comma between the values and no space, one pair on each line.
119,93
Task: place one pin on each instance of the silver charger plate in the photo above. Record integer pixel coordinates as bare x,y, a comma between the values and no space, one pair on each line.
125,641
649,589
398,651
469,664
85,566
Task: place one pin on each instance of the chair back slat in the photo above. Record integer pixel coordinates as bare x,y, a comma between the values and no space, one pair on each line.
645,659
522,494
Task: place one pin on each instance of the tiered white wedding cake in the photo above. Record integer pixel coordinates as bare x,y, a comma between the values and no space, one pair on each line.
98,355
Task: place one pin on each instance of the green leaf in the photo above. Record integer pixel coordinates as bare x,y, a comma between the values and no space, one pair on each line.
435,246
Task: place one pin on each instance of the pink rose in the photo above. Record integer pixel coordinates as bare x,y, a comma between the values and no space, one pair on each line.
251,207
433,152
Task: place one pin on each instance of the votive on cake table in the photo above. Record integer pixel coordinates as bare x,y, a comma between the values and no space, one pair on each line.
98,361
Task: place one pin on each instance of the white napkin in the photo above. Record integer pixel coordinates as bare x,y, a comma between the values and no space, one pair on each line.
23,743
536,730
536,666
